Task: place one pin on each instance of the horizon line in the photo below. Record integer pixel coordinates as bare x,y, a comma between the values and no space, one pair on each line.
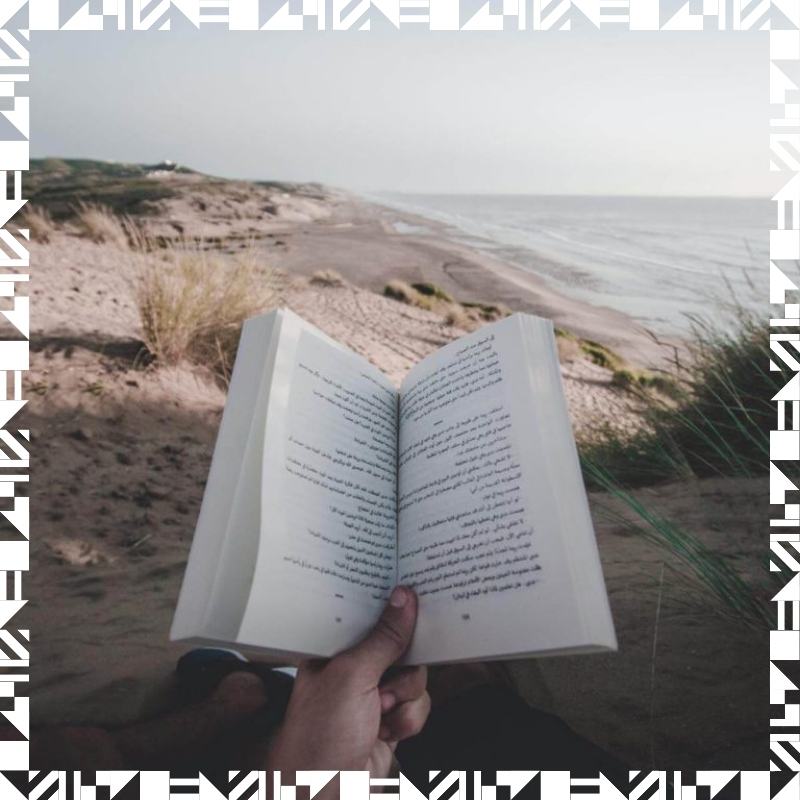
417,192
568,194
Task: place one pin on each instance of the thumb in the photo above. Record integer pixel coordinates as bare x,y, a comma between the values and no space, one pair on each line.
390,637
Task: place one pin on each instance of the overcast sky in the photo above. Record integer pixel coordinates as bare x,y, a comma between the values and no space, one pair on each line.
563,113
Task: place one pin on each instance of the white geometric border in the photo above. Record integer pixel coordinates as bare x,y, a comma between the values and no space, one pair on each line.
780,18
434,15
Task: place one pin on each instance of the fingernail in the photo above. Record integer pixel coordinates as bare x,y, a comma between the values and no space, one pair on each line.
387,701
399,597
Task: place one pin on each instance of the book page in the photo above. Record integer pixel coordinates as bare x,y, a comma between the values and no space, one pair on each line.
478,530
327,555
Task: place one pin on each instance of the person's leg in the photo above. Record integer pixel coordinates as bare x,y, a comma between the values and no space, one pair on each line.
483,724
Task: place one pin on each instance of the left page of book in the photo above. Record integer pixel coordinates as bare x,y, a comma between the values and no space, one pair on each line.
327,549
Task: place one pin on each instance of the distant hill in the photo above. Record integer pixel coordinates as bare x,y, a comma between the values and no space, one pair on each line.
62,184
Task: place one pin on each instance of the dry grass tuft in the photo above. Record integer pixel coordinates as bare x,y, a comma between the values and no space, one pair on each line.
465,315
433,291
457,317
327,277
405,293
487,312
39,222
100,224
192,303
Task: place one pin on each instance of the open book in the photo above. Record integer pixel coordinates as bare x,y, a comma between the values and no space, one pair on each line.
329,486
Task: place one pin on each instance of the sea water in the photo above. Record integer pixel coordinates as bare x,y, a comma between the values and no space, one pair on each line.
661,260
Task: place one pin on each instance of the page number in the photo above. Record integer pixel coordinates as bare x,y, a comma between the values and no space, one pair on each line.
465,617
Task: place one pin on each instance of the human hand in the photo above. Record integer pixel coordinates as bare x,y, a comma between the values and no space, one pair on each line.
349,713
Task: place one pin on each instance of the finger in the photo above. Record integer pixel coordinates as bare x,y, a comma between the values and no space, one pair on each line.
310,667
382,760
404,685
407,720
390,637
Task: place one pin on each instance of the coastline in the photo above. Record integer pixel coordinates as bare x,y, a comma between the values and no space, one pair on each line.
361,242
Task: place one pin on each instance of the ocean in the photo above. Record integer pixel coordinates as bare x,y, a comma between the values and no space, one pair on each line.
659,260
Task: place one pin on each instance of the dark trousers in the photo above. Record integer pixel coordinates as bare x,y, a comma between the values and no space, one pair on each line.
491,728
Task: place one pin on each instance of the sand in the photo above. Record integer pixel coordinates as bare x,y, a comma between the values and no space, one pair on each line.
122,451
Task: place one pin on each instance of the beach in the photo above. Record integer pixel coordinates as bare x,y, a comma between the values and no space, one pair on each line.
663,261
122,448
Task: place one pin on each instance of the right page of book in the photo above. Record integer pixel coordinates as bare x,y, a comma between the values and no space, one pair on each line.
493,525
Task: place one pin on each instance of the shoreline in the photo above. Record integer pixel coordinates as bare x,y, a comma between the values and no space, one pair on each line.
361,243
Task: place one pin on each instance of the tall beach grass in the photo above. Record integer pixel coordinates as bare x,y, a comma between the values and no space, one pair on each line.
715,424
39,223
703,572
192,302
716,421
101,225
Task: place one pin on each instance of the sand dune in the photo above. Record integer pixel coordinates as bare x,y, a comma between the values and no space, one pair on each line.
123,447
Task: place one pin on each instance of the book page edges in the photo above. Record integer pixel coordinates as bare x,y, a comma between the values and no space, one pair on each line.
570,494
279,657
256,349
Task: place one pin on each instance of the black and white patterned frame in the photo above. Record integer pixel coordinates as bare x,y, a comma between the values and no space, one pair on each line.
779,19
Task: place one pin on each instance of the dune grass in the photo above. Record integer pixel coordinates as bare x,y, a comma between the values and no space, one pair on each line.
405,293
486,312
192,303
457,317
459,314
427,289
712,417
329,278
600,354
713,422
723,426
39,223
101,225
700,570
